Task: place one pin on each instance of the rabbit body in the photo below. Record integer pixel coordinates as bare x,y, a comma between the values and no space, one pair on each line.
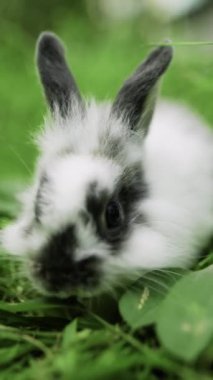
116,191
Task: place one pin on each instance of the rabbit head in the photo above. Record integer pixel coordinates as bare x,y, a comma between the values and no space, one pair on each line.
83,205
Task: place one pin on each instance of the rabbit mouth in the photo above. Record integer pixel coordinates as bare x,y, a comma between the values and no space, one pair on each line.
81,278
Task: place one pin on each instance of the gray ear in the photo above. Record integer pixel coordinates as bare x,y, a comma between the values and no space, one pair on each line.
136,99
59,85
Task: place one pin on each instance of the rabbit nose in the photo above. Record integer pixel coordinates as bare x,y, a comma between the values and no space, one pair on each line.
68,274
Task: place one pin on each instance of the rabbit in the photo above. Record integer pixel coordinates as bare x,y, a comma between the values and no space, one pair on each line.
119,189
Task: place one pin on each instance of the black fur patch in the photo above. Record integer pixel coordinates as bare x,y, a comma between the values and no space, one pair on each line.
96,201
129,190
131,187
56,268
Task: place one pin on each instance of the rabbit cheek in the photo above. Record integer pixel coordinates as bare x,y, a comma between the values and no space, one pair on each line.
55,270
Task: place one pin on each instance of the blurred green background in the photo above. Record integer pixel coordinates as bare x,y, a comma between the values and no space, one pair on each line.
105,40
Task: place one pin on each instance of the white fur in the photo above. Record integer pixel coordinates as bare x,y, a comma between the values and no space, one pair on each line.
178,164
74,134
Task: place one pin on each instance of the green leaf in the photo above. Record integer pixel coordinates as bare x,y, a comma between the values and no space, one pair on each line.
72,335
69,334
185,322
139,306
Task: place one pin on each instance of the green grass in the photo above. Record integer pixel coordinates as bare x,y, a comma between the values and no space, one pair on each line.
48,339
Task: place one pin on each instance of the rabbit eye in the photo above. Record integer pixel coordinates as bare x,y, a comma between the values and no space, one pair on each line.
113,215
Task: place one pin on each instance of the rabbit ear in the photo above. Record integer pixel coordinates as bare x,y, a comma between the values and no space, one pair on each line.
59,85
136,99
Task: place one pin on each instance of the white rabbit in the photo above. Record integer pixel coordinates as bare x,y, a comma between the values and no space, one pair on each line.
116,191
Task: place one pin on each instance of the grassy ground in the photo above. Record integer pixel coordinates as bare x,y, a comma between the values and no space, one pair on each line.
45,339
